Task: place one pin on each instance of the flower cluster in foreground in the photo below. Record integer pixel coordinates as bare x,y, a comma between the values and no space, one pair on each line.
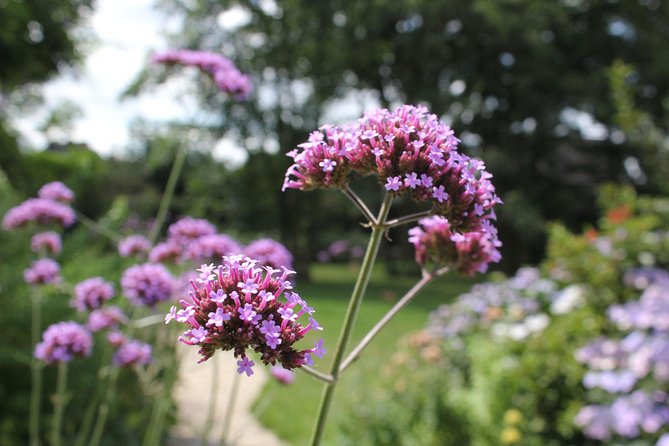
226,75
239,306
63,341
410,151
469,252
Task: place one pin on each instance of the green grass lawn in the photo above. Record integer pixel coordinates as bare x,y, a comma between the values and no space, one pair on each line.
291,410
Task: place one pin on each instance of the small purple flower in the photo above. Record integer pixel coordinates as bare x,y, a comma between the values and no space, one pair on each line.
42,272
247,313
147,284
132,353
91,294
63,341
412,180
327,165
217,318
104,318
56,191
134,245
393,183
245,366
318,349
269,252
48,242
226,76
439,194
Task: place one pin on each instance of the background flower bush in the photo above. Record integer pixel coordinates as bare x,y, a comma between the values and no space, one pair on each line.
525,347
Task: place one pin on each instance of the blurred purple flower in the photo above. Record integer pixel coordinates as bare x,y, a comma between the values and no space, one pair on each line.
43,271
63,341
48,242
38,210
92,293
132,353
56,191
269,252
133,245
147,284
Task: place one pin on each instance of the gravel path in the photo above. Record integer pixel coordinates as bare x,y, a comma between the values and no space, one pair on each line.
192,398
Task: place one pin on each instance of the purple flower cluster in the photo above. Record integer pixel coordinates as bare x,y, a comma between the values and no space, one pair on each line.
42,272
628,416
48,242
191,239
511,309
105,318
412,153
147,284
38,210
437,243
340,250
132,353
211,247
134,245
636,363
269,252
91,294
226,75
56,191
63,341
237,306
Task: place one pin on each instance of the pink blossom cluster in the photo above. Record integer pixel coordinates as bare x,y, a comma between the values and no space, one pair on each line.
39,210
56,191
436,242
192,239
42,272
239,306
47,242
147,284
269,252
211,247
410,151
283,376
133,245
91,294
225,74
105,318
63,341
132,353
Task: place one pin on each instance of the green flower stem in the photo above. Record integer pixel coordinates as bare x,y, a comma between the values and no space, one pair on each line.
316,374
359,204
364,275
103,410
97,227
227,422
36,367
427,278
59,401
168,194
95,400
408,219
213,398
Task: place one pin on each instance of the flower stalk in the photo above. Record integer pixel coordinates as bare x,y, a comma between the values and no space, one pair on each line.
364,275
36,367
59,402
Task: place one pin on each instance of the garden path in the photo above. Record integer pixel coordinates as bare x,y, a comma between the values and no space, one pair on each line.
192,399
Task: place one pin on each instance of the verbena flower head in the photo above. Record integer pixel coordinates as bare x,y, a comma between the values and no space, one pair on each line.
56,191
225,74
63,341
437,243
168,251
132,353
41,211
147,284
43,271
105,318
188,229
133,245
269,252
91,294
238,306
283,376
116,338
211,247
410,151
48,242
